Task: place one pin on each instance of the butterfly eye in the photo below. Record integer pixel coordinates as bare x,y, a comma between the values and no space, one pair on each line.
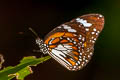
72,43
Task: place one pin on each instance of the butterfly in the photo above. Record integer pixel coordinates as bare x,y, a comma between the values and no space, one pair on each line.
72,43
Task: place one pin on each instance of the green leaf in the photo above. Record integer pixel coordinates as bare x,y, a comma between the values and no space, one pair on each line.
21,70
26,71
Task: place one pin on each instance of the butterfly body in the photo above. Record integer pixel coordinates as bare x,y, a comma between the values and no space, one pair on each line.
72,43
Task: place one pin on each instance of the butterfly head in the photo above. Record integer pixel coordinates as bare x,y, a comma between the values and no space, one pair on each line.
43,47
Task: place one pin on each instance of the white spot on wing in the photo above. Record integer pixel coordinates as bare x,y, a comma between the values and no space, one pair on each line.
87,29
60,47
96,33
100,16
78,62
72,30
94,29
59,27
92,32
84,22
74,34
68,28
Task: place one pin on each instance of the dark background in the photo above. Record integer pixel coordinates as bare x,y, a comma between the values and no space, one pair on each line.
16,41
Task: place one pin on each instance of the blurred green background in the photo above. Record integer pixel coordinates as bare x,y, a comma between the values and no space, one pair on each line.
16,41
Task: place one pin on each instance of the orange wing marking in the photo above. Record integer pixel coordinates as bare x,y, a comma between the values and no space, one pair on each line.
85,44
68,35
75,48
55,40
58,34
52,46
76,39
70,43
93,18
76,53
72,62
76,58
63,41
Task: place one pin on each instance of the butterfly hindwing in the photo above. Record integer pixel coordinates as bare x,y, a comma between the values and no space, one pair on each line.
72,43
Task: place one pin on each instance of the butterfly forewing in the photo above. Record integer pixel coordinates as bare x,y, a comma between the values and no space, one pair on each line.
72,43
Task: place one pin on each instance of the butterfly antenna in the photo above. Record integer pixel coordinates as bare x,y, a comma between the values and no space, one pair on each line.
33,32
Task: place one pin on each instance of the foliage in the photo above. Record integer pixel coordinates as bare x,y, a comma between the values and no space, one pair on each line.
21,70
